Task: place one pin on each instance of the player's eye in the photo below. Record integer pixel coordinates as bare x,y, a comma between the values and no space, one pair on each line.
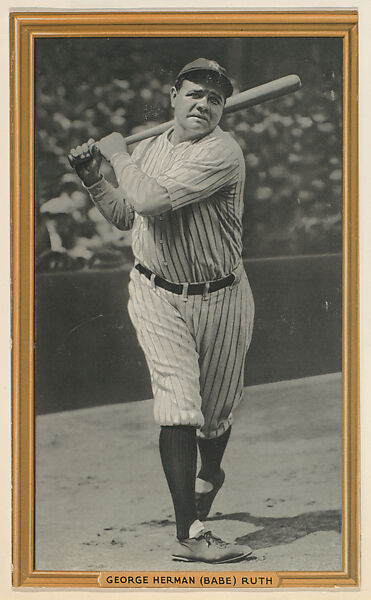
215,100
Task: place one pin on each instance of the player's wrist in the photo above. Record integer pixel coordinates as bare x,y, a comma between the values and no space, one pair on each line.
92,180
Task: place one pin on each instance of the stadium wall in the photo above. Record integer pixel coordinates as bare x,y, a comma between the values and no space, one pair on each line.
86,348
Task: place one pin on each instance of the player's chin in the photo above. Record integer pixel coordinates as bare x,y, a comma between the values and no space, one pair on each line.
201,125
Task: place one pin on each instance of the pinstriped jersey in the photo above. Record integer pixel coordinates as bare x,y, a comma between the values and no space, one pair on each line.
200,238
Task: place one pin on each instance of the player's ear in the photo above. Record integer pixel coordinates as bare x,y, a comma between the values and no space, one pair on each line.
173,95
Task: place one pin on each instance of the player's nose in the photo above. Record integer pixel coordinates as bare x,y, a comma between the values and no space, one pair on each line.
202,104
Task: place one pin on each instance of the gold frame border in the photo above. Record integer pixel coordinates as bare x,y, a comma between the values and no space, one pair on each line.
24,28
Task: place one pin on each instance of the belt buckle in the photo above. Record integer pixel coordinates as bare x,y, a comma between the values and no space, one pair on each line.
185,292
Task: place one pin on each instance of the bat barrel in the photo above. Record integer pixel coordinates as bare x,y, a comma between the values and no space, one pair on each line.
263,93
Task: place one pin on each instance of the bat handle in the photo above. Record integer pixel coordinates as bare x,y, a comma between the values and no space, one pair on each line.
142,135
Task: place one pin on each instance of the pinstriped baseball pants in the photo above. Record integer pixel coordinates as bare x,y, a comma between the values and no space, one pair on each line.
195,350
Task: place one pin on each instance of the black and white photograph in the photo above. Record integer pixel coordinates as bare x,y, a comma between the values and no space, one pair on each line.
188,303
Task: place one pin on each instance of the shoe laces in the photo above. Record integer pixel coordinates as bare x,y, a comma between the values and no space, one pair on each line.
213,539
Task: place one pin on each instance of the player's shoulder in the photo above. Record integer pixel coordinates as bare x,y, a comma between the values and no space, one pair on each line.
222,143
145,146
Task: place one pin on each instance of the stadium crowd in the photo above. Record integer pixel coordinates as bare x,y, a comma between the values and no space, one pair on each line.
292,149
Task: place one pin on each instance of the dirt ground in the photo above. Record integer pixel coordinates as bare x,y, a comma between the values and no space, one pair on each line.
102,501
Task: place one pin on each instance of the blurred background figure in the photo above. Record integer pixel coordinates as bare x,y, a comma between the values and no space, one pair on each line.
73,235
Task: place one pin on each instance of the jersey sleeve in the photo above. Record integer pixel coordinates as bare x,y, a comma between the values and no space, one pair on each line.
201,173
110,201
111,204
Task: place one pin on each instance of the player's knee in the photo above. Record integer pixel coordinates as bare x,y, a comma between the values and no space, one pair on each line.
167,413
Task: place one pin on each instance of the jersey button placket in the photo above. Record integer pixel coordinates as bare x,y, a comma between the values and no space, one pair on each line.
161,218
161,242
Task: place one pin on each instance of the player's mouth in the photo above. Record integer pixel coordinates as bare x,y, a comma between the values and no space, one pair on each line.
199,117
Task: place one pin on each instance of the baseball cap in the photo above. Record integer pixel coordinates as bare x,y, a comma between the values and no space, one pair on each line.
204,64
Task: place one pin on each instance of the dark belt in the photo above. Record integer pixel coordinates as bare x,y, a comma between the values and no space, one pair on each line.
180,288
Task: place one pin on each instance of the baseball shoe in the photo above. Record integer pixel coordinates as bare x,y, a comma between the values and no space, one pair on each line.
204,501
208,548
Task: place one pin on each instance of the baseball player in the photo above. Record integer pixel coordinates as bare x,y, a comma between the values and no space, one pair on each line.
190,301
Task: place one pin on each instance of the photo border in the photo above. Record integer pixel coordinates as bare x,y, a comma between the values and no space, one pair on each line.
25,27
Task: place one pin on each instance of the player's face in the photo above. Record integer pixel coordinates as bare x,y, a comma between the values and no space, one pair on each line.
198,108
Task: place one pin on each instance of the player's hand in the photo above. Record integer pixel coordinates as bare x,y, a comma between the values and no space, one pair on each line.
86,160
112,144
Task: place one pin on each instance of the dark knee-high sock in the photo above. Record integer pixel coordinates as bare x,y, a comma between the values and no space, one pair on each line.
178,450
211,452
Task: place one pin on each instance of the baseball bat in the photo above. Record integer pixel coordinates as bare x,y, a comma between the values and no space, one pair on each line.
256,95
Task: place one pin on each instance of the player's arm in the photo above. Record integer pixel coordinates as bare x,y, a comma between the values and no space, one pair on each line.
86,160
204,170
142,192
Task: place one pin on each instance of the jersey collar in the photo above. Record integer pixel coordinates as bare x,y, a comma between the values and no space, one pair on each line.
168,134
